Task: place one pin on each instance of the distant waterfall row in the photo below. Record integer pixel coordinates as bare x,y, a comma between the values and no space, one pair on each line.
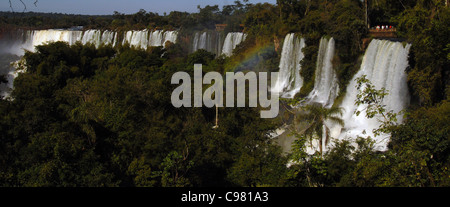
16,42
140,38
213,41
384,65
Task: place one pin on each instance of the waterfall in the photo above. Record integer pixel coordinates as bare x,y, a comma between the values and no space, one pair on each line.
20,40
95,37
40,37
143,38
108,38
384,64
156,38
199,41
29,39
289,81
90,36
210,41
13,72
231,41
326,85
169,36
138,39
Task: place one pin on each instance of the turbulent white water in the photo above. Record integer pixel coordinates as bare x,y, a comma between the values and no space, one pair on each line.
231,41
289,81
384,65
326,85
210,41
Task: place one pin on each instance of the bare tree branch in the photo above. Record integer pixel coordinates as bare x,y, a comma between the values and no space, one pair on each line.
24,6
23,3
10,5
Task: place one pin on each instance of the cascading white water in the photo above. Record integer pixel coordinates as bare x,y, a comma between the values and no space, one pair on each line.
109,38
40,37
143,38
289,81
210,41
326,85
169,36
384,65
195,43
91,36
137,39
140,39
200,41
156,38
6,89
231,41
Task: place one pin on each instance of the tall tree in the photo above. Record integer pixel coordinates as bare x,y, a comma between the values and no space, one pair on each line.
316,116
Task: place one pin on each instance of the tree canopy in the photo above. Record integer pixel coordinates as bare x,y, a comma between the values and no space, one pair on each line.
86,116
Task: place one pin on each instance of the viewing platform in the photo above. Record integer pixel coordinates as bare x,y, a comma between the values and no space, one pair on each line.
221,27
383,33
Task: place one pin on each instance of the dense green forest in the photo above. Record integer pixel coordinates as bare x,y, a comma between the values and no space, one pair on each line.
87,116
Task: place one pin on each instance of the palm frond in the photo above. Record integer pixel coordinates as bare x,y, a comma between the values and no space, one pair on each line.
336,120
335,111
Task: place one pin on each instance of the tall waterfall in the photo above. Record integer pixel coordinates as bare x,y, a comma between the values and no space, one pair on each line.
289,81
231,41
326,85
210,41
384,65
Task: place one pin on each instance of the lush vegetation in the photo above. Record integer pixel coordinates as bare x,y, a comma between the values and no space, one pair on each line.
86,116
206,18
100,117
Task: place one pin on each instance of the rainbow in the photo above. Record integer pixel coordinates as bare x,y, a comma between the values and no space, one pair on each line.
249,57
